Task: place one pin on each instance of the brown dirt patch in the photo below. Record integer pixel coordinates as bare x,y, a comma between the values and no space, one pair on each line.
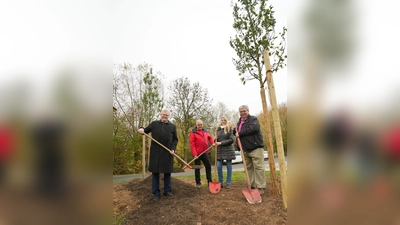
192,205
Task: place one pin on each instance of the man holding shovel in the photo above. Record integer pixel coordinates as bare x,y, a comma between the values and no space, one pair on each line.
161,161
248,130
199,138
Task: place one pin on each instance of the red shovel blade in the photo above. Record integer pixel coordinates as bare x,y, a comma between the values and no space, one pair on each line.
214,187
252,196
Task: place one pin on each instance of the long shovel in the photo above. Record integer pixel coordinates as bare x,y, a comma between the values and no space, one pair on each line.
177,156
215,186
252,195
197,157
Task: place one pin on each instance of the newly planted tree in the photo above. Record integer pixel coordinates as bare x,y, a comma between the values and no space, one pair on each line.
255,41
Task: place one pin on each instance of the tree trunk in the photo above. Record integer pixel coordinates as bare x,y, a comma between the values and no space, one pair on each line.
270,148
143,155
277,127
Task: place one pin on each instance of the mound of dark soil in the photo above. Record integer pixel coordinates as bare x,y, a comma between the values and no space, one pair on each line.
192,205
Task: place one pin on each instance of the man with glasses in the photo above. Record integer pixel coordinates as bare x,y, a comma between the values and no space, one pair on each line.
248,130
161,161
199,138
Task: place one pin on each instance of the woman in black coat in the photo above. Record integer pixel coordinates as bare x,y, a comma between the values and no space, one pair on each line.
225,150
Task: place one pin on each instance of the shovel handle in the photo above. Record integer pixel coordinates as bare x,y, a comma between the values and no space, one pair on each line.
244,165
197,156
168,150
177,156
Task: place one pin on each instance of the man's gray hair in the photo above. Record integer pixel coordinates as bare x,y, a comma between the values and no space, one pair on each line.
244,107
165,110
199,121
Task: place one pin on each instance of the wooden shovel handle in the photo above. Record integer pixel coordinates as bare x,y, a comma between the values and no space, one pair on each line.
244,165
168,150
197,155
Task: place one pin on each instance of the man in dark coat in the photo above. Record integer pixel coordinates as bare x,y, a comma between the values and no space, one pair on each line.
248,130
161,161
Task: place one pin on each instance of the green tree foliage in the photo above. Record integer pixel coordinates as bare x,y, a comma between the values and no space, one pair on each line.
125,147
124,118
188,102
151,100
138,98
254,23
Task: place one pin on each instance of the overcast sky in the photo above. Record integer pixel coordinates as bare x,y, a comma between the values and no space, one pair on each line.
191,39
178,38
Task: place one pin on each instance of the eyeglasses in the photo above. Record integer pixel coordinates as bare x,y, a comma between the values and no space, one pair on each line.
164,115
199,124
243,111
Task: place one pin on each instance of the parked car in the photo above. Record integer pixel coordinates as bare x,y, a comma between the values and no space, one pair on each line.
265,155
240,160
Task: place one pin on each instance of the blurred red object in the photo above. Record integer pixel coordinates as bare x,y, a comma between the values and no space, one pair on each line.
7,142
391,142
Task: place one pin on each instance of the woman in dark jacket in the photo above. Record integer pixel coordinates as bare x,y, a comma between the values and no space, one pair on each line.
225,150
